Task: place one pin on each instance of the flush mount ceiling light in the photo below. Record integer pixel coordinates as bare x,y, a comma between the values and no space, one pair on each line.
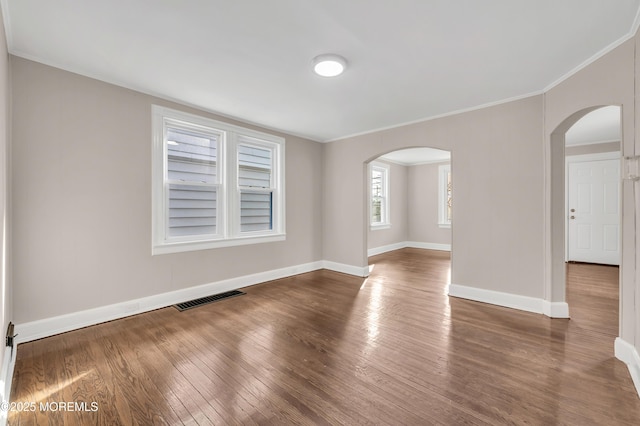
329,65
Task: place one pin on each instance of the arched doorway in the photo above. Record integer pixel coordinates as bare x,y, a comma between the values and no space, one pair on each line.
557,243
408,196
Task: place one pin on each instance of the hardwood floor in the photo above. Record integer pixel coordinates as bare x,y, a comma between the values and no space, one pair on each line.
327,348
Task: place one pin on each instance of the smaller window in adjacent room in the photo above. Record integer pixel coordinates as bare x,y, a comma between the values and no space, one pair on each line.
214,184
379,199
444,192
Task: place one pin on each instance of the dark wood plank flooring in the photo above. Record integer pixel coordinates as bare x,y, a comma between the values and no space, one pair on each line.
327,348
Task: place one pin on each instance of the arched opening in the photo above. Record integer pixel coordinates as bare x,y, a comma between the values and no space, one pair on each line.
408,195
563,216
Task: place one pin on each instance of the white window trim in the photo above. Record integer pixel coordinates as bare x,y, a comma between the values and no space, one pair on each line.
443,170
228,226
386,222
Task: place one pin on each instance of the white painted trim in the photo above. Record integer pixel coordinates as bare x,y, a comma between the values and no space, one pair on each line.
612,155
411,244
429,246
555,309
387,248
6,377
50,326
628,354
229,137
380,227
508,300
358,271
603,142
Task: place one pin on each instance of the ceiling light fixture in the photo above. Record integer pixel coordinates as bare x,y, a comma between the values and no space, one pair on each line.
329,65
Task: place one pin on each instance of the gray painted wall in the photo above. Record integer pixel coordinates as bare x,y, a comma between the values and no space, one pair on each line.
424,182
414,205
495,151
6,305
82,207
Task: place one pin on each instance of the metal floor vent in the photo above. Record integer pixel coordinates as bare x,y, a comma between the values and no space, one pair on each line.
207,299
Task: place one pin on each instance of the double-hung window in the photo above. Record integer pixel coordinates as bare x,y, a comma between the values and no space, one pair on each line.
379,196
214,184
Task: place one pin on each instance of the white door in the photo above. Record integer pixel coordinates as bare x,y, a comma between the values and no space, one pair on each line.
594,211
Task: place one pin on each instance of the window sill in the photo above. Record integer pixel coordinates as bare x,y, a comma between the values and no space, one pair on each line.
212,244
444,225
380,227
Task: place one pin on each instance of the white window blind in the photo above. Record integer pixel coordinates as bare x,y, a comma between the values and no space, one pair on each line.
193,183
255,166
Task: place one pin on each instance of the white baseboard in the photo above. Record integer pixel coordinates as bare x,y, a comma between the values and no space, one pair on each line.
50,326
6,376
358,271
428,246
555,309
384,249
508,300
628,354
411,244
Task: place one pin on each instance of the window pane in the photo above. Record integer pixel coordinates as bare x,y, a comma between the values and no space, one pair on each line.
256,211
191,156
378,195
376,210
254,166
376,183
192,210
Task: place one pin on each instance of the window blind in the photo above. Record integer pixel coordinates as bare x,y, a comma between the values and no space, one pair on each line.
192,177
255,166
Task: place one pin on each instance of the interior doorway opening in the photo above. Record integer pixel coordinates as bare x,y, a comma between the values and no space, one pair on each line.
593,188
409,200
580,147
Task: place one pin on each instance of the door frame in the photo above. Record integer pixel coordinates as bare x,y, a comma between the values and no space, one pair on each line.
580,158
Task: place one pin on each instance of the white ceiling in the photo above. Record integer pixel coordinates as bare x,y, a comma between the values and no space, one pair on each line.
601,125
413,156
408,59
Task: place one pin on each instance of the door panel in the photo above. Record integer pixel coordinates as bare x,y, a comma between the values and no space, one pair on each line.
610,238
594,211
